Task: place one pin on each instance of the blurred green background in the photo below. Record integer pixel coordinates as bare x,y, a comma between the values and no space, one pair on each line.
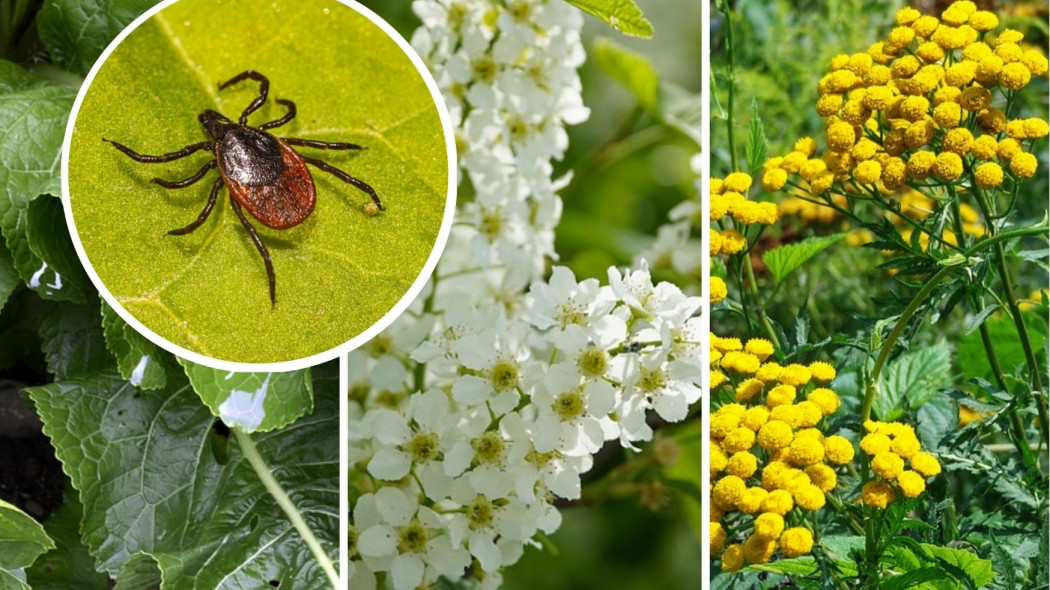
632,531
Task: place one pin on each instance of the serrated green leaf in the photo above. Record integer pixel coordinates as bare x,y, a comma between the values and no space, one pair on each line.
22,541
338,272
798,566
757,145
32,124
76,31
49,241
917,376
68,565
622,15
150,487
71,338
631,69
936,418
913,578
141,571
139,361
784,260
9,278
253,402
979,570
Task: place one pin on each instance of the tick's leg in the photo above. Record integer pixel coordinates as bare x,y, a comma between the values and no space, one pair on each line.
347,178
264,87
322,145
185,183
287,116
204,145
260,247
204,214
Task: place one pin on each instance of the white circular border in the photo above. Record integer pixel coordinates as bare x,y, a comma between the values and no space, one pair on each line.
372,331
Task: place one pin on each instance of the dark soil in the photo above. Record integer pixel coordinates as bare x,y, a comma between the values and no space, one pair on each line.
30,475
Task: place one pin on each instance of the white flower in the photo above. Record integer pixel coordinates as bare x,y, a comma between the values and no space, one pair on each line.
403,538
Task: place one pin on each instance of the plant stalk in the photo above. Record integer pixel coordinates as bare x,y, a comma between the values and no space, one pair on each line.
251,453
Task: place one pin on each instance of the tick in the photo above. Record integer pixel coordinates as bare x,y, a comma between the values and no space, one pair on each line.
263,173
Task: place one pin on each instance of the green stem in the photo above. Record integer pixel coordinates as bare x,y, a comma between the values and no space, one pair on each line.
919,299
727,12
251,453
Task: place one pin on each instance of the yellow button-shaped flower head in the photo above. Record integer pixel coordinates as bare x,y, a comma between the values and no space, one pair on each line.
877,493
796,541
887,465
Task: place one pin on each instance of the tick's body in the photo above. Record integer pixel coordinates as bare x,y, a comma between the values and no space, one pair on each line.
262,173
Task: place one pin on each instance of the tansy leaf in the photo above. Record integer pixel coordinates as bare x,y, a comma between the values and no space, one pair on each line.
622,15
339,271
757,145
784,260
253,402
22,540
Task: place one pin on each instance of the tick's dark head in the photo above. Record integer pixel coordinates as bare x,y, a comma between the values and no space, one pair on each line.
216,124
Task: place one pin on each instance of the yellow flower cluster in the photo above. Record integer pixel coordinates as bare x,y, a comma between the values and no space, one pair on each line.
920,106
889,445
768,453
732,211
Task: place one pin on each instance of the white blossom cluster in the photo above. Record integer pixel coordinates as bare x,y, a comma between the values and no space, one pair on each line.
487,400
677,245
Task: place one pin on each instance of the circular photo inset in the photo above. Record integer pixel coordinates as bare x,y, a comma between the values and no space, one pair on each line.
257,183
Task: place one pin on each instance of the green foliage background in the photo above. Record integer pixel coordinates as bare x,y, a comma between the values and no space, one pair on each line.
339,271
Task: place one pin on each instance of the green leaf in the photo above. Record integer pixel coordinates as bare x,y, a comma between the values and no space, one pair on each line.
71,338
916,376
22,541
141,571
787,259
936,418
253,402
672,105
140,361
979,570
76,31
32,124
757,145
49,241
622,15
68,565
913,579
798,566
338,272
14,78
631,69
9,278
150,487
